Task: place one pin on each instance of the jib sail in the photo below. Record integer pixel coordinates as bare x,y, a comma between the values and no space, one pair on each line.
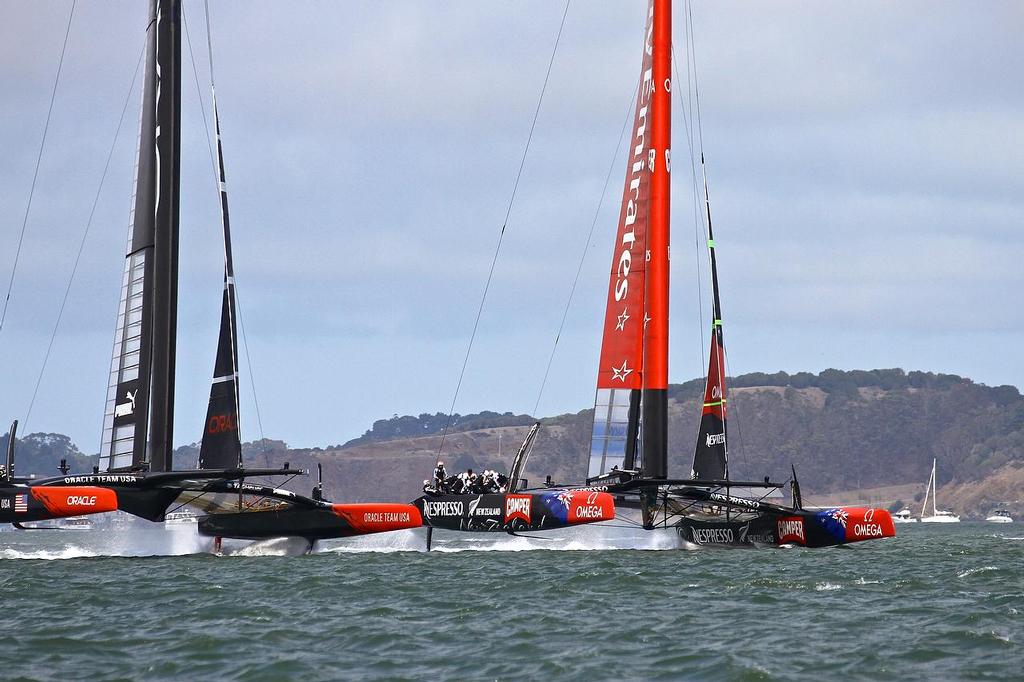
138,418
221,446
710,460
630,408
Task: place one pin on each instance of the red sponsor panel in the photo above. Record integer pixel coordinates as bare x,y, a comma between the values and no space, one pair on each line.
714,390
379,517
868,523
591,506
75,501
221,423
518,507
790,530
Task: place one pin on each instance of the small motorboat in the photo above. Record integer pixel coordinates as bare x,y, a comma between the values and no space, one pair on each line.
903,516
999,516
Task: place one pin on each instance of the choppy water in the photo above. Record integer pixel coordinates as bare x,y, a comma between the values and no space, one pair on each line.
934,603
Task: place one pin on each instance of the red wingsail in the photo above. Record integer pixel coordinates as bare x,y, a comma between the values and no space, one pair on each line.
634,348
622,349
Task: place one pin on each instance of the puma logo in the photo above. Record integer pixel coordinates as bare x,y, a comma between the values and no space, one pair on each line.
125,409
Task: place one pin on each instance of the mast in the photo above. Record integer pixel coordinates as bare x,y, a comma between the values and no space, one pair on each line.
139,416
655,387
9,468
927,491
221,447
630,408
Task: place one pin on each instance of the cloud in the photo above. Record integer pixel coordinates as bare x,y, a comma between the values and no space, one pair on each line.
863,164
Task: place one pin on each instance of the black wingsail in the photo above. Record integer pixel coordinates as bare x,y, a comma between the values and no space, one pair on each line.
138,419
222,446
710,460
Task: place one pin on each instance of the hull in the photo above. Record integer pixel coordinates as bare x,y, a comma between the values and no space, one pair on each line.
26,504
999,519
516,512
146,495
313,523
825,528
940,519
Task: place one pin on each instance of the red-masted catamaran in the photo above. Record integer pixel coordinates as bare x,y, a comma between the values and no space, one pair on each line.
629,446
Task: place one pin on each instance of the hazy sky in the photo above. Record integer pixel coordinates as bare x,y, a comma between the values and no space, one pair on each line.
865,164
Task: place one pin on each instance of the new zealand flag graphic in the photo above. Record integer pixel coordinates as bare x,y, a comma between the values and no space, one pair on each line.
834,521
557,504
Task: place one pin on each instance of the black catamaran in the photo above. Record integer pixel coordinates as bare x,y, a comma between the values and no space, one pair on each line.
503,504
135,472
629,446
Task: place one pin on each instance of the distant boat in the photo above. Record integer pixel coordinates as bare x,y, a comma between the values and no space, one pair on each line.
937,515
999,516
180,518
904,516
76,523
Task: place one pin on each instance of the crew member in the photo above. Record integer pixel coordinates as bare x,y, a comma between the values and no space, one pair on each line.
440,475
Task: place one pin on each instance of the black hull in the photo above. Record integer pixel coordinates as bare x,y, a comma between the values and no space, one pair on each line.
312,524
515,512
823,528
146,495
304,517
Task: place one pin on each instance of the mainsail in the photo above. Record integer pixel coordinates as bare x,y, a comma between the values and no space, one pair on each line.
221,447
138,419
630,409
710,460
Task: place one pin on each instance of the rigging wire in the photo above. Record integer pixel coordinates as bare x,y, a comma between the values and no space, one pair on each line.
35,173
586,248
213,162
501,236
85,234
698,219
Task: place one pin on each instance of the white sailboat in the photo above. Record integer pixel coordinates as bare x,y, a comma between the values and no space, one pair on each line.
937,515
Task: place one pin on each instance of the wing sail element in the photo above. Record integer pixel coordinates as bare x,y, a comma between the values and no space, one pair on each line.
632,377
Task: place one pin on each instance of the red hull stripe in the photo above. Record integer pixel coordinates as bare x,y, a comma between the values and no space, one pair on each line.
379,517
75,501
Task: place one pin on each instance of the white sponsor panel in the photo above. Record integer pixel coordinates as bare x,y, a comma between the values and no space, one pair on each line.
386,517
443,508
713,536
589,512
867,530
715,439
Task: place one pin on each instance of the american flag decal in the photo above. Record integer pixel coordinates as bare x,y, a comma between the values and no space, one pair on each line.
21,503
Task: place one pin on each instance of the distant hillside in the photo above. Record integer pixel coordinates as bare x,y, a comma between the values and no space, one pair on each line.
431,424
842,431
870,431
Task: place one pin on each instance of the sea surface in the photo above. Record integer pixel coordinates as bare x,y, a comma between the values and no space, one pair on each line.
935,603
